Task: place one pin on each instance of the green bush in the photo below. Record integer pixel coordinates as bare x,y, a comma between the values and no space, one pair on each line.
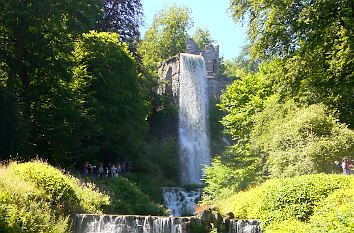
244,204
35,197
300,140
231,172
127,198
62,189
296,198
336,212
310,203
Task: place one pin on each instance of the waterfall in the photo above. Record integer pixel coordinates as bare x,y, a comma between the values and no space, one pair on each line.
90,223
193,117
86,223
179,201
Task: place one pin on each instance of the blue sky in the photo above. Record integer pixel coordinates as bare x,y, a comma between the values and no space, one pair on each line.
206,14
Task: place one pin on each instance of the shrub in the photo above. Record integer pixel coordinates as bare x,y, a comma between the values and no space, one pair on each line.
128,198
25,208
35,197
301,140
62,189
336,212
295,198
309,203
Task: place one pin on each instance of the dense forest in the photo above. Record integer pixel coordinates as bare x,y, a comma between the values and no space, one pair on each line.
79,83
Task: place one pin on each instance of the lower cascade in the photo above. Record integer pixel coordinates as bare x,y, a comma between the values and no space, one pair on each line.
179,201
88,223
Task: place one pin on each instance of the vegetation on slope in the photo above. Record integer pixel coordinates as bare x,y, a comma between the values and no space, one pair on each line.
127,198
36,197
310,203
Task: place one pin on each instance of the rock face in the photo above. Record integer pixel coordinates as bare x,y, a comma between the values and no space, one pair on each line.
86,223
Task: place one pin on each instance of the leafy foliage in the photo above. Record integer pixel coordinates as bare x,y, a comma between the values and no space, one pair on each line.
61,189
108,87
166,37
123,17
217,137
275,132
231,172
301,140
299,204
35,197
243,100
315,41
202,37
127,198
36,41
240,66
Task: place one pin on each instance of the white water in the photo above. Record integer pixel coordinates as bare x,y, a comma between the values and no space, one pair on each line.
87,223
193,117
179,201
128,224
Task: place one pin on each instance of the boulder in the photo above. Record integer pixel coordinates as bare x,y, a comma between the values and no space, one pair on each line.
217,218
206,216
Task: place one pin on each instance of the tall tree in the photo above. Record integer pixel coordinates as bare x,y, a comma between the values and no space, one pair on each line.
123,17
166,37
203,38
315,39
36,42
106,78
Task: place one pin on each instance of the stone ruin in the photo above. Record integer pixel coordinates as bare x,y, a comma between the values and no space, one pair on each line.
169,71
210,55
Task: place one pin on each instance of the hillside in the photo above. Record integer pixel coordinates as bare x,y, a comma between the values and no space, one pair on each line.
36,197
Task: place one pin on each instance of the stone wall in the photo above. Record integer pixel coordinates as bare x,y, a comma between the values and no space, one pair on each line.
210,55
211,59
156,224
169,71
192,47
217,85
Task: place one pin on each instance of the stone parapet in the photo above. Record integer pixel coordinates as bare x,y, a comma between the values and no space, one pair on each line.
89,223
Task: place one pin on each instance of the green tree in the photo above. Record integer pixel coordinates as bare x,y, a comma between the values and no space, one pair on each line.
107,83
241,65
240,165
315,40
36,40
300,140
123,17
166,37
202,38
244,99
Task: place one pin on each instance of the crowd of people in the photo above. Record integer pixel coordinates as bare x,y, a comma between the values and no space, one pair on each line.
347,166
110,170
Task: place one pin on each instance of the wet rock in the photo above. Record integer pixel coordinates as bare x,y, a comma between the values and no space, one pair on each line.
217,218
206,216
222,227
230,215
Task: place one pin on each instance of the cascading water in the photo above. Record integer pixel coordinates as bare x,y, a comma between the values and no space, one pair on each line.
179,201
88,223
193,109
